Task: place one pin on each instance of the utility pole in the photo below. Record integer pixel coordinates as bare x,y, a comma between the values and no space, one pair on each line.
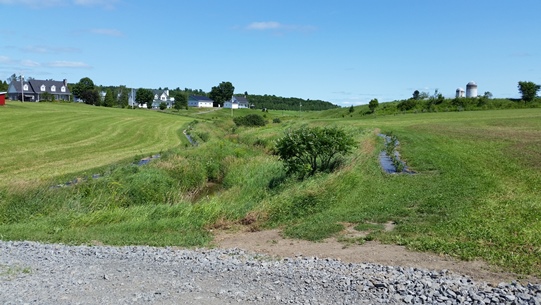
22,88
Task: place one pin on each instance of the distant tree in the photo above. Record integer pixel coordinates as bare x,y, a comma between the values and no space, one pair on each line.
306,151
144,96
528,90
92,97
373,104
487,95
181,101
109,100
423,95
86,90
221,93
4,86
123,97
351,109
13,78
163,106
416,95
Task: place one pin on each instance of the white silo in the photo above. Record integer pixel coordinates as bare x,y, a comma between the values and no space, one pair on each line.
459,92
471,89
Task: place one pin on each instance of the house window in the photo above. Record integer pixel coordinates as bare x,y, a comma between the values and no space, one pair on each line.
25,87
42,88
63,89
53,88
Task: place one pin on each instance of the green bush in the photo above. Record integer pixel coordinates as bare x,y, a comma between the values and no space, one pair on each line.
250,120
306,151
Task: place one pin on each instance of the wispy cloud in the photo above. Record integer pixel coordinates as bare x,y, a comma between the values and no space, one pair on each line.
107,32
38,4
48,49
521,54
277,26
5,60
30,63
107,4
68,64
35,3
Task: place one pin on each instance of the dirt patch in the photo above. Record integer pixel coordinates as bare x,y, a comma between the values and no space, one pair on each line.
272,243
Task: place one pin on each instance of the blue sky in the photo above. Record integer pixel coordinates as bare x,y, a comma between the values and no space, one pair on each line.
343,51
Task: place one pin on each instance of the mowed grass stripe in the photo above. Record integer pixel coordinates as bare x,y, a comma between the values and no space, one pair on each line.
41,140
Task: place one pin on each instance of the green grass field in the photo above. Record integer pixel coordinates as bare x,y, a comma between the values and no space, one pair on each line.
475,195
43,141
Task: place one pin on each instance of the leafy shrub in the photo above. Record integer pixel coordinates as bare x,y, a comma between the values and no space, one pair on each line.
306,151
276,120
250,120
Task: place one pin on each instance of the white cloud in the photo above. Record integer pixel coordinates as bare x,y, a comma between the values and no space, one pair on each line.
68,64
277,26
47,49
108,4
30,63
270,25
107,32
35,3
5,59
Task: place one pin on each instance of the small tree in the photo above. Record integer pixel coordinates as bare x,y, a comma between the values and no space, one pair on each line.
416,95
351,109
528,90
180,101
373,104
163,106
109,100
306,151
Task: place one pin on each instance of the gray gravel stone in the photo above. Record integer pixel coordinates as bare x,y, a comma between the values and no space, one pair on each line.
34,273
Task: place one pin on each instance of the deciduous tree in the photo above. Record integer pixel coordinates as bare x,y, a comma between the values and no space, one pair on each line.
181,101
221,93
373,104
86,90
144,96
528,90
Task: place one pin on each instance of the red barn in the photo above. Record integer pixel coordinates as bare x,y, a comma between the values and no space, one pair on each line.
2,98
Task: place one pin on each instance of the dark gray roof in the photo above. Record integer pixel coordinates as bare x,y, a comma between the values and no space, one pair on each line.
241,99
200,98
35,86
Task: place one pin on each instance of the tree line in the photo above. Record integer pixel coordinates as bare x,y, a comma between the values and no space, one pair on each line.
274,102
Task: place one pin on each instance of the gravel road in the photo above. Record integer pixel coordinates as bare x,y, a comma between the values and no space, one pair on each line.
34,273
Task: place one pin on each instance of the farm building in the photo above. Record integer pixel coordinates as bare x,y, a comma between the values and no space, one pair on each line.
200,101
237,102
35,90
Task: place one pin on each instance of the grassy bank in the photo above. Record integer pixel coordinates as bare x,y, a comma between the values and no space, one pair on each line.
475,194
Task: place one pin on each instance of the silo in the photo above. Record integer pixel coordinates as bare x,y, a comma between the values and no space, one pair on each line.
471,89
459,92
